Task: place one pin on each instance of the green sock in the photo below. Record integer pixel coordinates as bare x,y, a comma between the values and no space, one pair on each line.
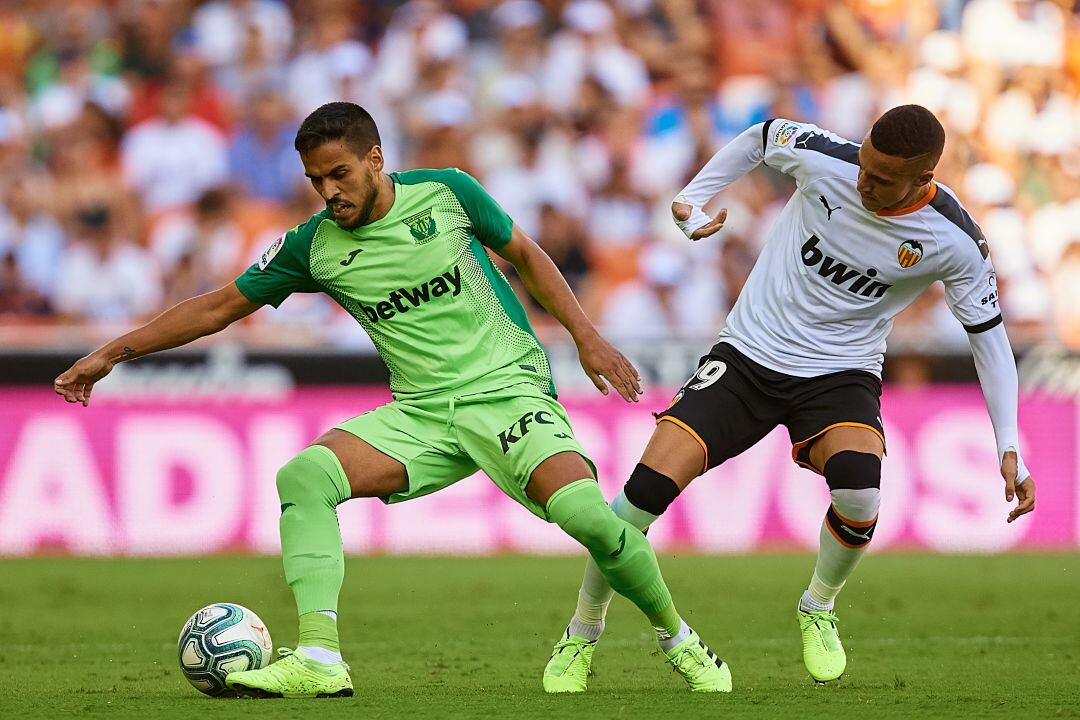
621,552
310,487
318,630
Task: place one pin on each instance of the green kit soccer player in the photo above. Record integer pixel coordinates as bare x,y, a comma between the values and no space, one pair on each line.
406,255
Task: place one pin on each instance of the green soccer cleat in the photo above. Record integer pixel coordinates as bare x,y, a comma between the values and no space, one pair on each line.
570,665
822,652
699,666
293,676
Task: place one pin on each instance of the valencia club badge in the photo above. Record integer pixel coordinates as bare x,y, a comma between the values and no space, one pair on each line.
909,253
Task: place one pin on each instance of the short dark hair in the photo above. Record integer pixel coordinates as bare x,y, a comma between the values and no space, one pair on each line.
908,131
338,121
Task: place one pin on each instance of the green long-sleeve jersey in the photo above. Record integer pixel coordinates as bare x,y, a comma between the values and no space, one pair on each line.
420,282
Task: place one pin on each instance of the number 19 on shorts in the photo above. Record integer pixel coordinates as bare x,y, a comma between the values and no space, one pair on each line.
707,374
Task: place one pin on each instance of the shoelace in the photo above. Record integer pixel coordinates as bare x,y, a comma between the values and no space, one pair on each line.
812,618
676,662
570,643
570,668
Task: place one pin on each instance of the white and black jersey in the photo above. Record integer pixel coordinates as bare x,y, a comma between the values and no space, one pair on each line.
833,275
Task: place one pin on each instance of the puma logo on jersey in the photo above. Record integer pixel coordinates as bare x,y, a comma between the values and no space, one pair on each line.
403,300
839,273
828,209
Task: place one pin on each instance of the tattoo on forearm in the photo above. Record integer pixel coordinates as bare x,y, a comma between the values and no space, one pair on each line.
126,354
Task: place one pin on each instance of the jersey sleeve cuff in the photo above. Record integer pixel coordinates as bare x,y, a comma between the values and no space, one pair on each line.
250,293
495,243
983,326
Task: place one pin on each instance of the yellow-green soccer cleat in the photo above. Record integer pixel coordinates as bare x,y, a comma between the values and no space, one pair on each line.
822,652
293,676
570,665
699,666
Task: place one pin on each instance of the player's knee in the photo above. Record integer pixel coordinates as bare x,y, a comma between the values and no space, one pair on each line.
580,510
310,477
857,505
851,470
289,477
650,490
853,515
594,527
854,480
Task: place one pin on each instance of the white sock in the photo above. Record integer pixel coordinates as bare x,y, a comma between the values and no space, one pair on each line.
330,614
836,562
595,593
669,641
809,603
593,597
322,655
589,631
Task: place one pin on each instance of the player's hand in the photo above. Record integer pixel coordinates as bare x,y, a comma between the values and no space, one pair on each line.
601,361
1023,492
681,211
77,381
710,227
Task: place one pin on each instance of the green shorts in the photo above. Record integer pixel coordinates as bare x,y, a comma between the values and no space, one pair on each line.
506,433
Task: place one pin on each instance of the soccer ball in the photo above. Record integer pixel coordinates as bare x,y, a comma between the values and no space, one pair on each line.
220,639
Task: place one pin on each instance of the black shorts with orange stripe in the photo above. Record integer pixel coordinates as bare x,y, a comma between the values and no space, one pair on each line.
732,402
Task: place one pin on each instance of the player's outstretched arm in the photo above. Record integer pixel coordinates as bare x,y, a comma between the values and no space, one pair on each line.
730,163
542,279
179,325
996,368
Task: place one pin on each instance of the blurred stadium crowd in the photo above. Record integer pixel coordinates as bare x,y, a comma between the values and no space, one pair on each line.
146,145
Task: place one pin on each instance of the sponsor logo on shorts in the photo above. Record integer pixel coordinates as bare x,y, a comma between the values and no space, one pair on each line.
909,253
403,300
840,274
521,428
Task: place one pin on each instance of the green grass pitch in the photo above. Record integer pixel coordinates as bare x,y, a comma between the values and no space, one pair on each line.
927,637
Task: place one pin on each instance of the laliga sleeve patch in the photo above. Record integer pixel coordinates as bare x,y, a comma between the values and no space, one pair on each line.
782,133
271,251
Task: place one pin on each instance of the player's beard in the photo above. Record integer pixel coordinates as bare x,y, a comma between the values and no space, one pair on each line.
363,215
363,211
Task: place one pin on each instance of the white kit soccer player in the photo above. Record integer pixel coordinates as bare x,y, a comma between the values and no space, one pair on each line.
867,230
832,275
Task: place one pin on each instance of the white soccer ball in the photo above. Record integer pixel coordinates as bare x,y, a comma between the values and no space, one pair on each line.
220,639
